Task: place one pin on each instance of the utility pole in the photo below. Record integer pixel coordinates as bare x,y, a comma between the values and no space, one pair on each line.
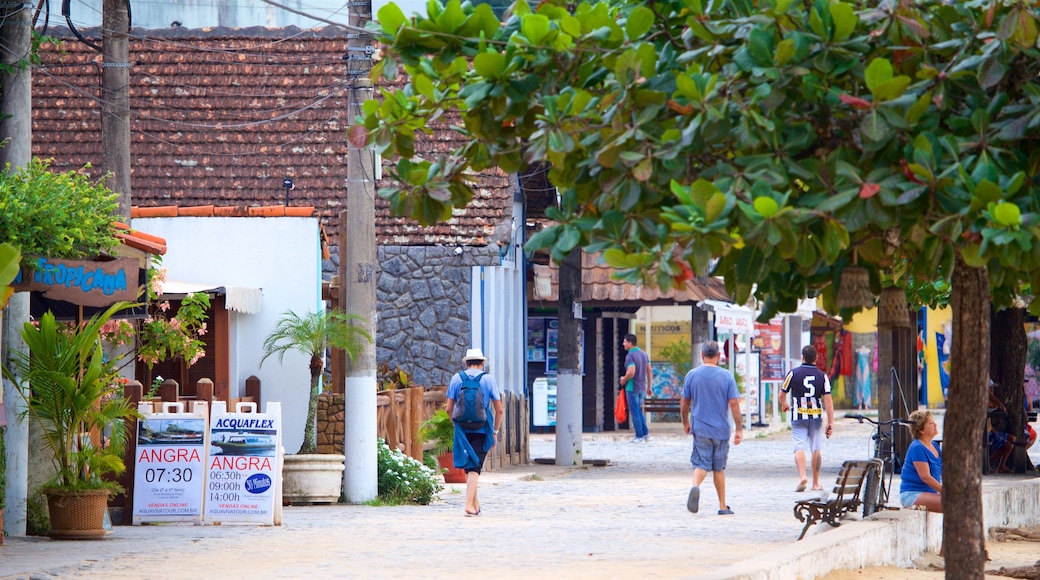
115,102
568,373
358,270
16,150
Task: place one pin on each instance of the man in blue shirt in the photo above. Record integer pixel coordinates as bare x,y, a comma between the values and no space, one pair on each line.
636,382
708,392
471,446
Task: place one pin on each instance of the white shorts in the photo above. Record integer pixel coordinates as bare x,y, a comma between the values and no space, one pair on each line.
807,434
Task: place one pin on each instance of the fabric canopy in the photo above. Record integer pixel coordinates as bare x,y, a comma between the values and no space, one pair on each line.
237,298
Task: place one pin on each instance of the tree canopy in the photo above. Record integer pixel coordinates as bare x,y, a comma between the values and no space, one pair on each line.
58,215
785,139
771,142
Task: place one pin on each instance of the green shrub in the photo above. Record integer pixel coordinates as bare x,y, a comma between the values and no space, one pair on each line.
403,479
37,523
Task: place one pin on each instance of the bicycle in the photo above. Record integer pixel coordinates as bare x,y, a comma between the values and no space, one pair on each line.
877,491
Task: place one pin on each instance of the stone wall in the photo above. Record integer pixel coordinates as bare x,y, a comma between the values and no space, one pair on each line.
423,297
330,423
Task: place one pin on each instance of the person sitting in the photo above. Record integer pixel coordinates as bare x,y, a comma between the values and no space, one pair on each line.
1028,433
921,478
1000,444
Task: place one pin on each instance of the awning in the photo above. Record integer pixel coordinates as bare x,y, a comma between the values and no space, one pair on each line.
238,298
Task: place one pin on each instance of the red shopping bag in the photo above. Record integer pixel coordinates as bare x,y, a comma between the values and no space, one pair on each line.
621,407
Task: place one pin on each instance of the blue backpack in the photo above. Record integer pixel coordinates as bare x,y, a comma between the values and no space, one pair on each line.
469,411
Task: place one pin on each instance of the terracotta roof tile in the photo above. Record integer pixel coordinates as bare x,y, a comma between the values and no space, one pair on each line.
599,289
220,116
222,211
139,240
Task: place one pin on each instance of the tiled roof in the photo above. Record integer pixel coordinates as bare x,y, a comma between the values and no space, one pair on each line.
220,116
599,289
139,240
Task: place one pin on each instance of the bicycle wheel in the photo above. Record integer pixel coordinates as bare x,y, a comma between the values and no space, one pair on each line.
871,493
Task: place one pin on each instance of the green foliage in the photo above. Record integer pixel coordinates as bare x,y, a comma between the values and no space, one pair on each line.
164,335
310,334
1033,356
37,521
58,215
70,388
10,258
403,479
772,143
679,354
388,379
438,428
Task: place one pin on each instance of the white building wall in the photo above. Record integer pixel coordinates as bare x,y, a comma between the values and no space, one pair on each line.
499,317
279,255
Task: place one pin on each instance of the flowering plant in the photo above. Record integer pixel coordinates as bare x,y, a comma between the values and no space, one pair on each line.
403,479
163,336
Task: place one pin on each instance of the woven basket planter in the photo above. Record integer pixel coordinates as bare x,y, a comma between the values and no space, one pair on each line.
77,515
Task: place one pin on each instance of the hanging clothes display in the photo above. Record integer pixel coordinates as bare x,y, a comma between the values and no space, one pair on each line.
863,377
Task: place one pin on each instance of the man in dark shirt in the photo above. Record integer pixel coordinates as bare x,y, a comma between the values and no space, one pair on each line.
807,393
636,382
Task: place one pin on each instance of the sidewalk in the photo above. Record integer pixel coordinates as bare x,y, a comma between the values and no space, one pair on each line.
623,520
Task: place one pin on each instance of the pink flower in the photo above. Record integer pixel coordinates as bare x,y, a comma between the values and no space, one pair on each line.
175,324
202,329
164,306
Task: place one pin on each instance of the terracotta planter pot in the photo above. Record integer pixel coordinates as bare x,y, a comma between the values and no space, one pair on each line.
453,474
308,479
77,515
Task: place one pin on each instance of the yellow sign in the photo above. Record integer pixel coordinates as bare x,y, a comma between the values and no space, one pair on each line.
661,333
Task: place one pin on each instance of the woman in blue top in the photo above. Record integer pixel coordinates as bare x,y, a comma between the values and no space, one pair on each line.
921,481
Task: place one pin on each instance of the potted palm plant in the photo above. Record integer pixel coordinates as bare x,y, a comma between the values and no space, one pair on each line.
70,389
439,429
309,477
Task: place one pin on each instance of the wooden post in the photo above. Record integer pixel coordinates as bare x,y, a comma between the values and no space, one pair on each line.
169,391
133,391
253,390
221,392
418,411
204,390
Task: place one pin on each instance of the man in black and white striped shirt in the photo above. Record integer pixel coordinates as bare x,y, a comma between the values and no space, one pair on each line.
807,393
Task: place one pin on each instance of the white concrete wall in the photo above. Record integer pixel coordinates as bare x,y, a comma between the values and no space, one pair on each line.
499,317
281,256
892,538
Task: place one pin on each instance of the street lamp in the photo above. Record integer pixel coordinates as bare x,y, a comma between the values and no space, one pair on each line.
288,184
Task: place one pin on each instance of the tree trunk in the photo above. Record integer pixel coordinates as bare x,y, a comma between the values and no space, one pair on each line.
963,530
1008,348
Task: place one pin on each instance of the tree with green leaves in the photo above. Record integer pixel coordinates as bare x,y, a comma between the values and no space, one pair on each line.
311,334
59,215
772,142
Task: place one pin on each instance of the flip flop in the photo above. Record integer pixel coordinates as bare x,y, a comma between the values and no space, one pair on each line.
726,512
817,489
693,501
801,486
472,515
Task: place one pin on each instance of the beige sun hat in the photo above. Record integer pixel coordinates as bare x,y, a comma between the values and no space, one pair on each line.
474,354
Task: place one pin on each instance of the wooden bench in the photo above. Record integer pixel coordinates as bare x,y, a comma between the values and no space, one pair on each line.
660,405
844,498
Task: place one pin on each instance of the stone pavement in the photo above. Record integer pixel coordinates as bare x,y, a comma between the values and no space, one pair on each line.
625,519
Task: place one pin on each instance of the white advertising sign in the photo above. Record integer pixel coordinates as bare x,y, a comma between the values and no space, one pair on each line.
169,464
243,471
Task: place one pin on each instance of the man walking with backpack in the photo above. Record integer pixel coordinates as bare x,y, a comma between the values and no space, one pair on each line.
470,394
